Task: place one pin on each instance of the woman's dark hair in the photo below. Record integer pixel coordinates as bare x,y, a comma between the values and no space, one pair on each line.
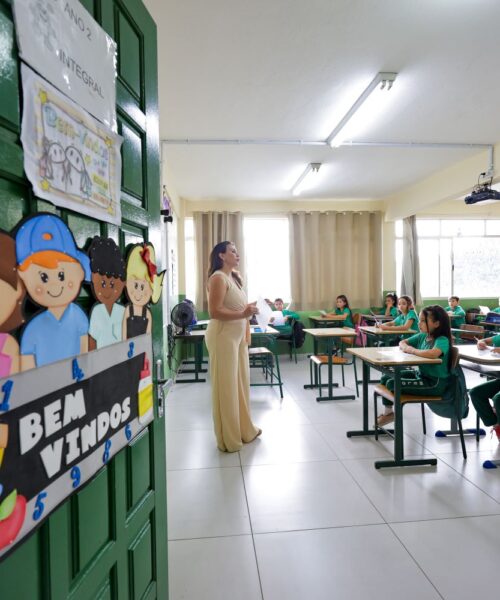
346,302
439,314
216,263
106,258
394,298
409,301
8,273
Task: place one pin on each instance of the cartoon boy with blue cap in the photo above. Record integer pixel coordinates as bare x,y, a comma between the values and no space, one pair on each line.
52,269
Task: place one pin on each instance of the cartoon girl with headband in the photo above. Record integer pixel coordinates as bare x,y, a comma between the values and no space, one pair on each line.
144,285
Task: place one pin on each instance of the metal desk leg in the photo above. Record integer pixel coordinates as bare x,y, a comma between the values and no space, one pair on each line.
399,459
329,350
453,431
365,430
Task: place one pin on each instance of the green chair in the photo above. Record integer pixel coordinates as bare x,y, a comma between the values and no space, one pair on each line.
263,354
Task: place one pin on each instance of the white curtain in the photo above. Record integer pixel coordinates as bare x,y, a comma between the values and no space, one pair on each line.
335,253
210,228
410,276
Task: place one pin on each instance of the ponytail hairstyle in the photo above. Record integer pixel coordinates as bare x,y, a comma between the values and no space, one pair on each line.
394,298
409,301
438,314
216,263
346,302
141,264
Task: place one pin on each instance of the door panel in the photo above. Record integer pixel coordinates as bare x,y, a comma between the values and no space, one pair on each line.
109,540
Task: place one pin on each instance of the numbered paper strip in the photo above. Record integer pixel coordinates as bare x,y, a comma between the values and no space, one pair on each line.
62,41
61,423
70,158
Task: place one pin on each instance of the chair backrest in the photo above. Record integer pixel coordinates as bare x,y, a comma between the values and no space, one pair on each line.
455,357
477,329
357,318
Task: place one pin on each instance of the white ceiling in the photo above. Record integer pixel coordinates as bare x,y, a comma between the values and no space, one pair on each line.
233,69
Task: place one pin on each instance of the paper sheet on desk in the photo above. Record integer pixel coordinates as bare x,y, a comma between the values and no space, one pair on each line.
265,313
277,318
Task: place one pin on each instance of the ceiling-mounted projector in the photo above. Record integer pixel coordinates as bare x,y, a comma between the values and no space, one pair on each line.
482,192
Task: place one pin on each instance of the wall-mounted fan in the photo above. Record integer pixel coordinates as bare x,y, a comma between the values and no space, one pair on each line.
182,316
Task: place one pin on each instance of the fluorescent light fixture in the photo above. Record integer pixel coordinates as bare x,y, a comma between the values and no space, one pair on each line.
307,180
363,110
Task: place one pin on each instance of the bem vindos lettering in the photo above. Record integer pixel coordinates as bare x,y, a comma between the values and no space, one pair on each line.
58,416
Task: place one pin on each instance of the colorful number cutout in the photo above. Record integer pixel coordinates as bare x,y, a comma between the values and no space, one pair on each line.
107,447
39,506
76,476
7,390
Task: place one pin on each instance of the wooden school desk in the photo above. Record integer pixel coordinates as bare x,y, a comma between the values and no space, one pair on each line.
330,335
390,361
485,362
375,334
324,321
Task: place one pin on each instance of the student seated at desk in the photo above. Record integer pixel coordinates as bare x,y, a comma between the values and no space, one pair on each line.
281,322
455,310
391,305
483,393
343,309
406,320
434,341
497,309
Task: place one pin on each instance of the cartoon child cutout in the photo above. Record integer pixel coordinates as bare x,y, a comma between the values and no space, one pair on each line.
12,294
52,269
108,281
143,286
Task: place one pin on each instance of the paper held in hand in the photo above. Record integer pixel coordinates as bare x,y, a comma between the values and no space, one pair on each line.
265,313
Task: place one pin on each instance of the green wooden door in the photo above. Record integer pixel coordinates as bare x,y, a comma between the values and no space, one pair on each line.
109,540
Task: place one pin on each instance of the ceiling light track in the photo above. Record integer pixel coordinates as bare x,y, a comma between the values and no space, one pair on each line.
279,142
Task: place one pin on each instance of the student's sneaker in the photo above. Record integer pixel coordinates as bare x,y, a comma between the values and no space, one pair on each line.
496,429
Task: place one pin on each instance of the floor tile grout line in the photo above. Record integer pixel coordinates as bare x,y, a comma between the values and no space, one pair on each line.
415,561
251,528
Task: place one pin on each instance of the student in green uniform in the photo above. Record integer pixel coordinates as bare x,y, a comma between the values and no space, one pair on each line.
391,305
433,341
406,320
343,309
497,310
456,311
289,315
489,411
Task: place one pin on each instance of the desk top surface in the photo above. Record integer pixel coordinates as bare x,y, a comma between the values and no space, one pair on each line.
391,356
324,318
200,333
377,331
331,332
372,317
472,353
269,330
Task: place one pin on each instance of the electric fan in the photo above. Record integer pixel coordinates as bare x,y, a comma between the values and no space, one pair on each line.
182,316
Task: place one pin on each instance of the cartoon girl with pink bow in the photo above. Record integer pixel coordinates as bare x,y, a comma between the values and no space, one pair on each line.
144,285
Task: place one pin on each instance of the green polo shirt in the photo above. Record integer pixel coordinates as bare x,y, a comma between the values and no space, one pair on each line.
496,341
421,342
394,312
402,319
347,314
496,310
460,312
286,329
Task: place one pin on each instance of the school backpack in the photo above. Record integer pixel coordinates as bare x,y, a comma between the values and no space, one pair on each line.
298,334
457,386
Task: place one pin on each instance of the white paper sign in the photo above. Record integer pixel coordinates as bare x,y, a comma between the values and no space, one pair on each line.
70,158
63,42
264,313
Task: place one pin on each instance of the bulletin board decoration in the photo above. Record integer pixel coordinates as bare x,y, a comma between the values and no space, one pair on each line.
70,158
108,274
63,42
144,287
60,424
52,269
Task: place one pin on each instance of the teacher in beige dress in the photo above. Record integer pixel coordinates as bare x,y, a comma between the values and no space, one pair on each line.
227,339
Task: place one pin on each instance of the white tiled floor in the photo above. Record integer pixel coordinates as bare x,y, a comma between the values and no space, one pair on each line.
302,514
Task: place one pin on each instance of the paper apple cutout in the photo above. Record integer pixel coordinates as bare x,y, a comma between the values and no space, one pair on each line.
12,513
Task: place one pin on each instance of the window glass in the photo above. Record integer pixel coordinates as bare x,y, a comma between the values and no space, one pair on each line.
427,228
476,263
267,258
428,251
190,259
445,267
462,228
